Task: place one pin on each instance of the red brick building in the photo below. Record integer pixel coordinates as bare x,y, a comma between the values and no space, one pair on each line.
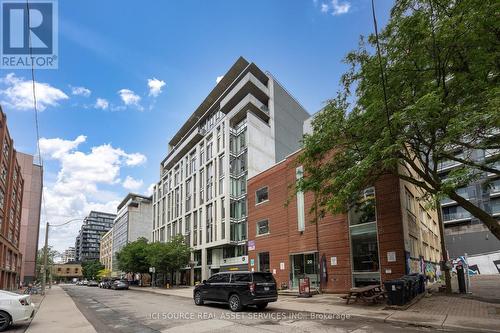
11,195
380,239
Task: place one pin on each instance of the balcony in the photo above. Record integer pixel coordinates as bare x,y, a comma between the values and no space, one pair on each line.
248,90
182,148
456,217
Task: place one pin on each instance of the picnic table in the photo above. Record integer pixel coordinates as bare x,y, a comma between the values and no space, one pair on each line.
371,293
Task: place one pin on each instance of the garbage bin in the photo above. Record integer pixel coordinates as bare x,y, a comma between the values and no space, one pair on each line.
421,282
412,286
396,291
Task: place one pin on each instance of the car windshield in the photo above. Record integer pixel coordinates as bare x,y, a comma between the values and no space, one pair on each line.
263,277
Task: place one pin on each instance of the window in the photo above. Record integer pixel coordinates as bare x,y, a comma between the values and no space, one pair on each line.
261,195
264,262
195,228
301,216
364,210
209,224
263,227
239,277
364,242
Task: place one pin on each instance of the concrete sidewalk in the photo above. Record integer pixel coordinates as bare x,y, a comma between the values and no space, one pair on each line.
435,311
58,314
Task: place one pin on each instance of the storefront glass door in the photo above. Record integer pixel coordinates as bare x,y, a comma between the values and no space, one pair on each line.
304,265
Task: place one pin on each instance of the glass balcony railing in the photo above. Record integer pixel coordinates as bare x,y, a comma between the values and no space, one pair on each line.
447,217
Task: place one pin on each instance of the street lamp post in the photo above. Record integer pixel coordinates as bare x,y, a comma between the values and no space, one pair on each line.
46,252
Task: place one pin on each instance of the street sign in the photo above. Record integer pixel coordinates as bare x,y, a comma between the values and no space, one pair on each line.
152,269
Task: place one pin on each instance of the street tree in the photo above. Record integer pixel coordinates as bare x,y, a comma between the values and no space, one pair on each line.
179,253
132,258
422,92
91,269
51,255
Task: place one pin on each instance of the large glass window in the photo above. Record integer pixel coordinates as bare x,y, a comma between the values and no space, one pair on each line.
364,242
264,263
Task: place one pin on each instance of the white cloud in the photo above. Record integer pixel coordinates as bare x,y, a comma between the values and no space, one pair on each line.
150,189
56,148
155,86
217,80
324,8
132,184
87,180
339,8
130,98
101,103
80,91
18,93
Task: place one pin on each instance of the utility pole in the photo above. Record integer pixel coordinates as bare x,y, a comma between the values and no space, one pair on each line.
445,267
45,258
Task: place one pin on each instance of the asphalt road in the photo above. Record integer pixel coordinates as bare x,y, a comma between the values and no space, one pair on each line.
137,311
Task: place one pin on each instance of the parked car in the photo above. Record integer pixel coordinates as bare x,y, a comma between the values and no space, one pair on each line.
84,283
238,289
14,308
103,283
119,284
92,283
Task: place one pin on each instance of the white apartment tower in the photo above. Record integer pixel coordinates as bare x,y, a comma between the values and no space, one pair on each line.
246,124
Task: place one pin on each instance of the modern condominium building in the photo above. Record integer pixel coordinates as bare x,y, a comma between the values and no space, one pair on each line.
87,242
246,124
465,234
68,255
133,221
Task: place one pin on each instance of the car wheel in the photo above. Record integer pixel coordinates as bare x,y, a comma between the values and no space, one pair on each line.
198,299
261,306
235,303
4,320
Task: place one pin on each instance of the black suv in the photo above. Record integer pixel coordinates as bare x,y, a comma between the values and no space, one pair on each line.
239,289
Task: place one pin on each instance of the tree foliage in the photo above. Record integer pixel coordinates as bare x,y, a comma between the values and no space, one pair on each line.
432,92
91,269
138,256
51,255
133,257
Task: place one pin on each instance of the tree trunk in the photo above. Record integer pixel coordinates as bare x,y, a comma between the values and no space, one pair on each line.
444,252
491,223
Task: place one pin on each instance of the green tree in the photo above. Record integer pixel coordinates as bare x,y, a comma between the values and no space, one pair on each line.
133,257
51,255
169,257
179,253
422,92
91,269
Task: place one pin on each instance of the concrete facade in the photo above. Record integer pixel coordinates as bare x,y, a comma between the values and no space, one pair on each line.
11,200
30,217
284,241
133,221
246,124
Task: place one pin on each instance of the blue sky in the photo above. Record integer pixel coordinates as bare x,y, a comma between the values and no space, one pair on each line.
108,47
